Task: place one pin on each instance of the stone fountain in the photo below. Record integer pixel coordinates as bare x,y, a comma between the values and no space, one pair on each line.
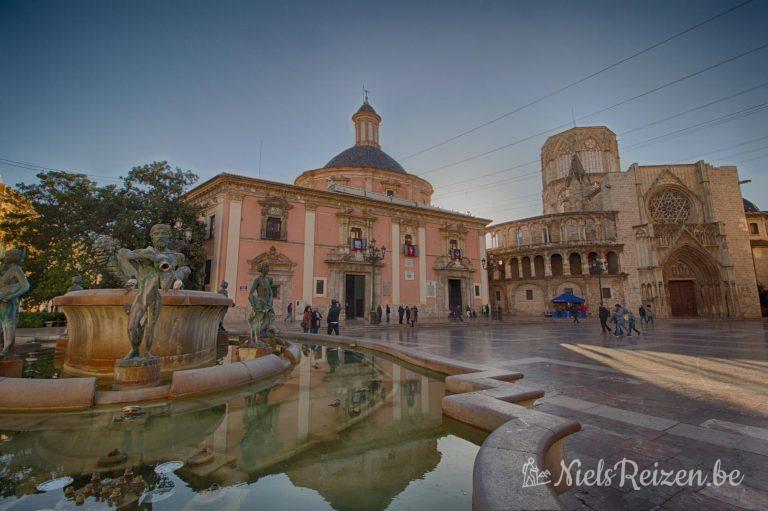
107,328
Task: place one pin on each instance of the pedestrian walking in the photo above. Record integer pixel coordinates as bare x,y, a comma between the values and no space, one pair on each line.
619,317
289,316
641,313
400,313
414,316
632,321
333,318
389,311
407,315
378,314
574,311
649,315
306,319
316,319
604,314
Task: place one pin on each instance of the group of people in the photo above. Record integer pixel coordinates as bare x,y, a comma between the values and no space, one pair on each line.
624,319
410,314
312,318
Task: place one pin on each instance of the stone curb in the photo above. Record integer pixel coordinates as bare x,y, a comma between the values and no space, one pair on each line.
490,399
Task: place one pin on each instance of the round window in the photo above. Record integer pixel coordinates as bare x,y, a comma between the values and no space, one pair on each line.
670,206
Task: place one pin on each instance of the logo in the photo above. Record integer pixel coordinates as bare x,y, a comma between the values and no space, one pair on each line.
532,476
627,473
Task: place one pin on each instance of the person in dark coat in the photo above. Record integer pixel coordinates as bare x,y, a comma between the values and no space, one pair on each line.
333,318
574,311
407,314
389,311
316,318
400,313
604,314
414,316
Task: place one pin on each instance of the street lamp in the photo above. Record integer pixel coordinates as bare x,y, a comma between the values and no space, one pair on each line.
599,266
374,255
488,265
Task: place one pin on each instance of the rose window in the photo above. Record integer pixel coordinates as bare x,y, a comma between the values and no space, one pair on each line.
670,207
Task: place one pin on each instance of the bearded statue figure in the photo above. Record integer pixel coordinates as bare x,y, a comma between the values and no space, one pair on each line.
262,313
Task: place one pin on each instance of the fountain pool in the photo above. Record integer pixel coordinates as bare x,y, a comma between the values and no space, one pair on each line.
345,429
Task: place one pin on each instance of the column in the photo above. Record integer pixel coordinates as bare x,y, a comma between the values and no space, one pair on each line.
584,263
395,244
217,232
397,410
424,395
520,267
483,274
309,253
547,265
233,244
422,265
304,400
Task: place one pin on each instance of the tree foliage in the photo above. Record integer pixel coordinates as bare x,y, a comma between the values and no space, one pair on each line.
69,210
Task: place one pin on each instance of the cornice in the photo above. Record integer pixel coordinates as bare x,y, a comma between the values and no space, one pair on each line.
230,183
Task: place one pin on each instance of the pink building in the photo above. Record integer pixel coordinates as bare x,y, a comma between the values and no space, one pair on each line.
315,235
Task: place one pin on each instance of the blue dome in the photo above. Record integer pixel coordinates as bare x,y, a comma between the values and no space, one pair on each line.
365,156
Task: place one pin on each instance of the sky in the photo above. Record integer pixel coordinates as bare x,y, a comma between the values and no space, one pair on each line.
99,87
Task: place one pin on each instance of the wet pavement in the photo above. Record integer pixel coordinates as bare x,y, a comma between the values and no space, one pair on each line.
679,397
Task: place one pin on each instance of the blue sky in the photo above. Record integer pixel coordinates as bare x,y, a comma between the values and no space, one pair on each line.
99,87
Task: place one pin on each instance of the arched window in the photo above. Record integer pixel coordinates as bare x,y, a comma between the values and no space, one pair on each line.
526,267
592,262
514,269
538,266
519,236
613,262
753,229
574,263
556,261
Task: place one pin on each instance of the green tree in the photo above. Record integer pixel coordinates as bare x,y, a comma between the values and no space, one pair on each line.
70,210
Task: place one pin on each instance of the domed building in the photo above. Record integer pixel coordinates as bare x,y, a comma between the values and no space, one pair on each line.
673,236
317,235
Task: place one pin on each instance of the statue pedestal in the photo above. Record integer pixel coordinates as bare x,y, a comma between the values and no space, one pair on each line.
249,353
10,366
137,372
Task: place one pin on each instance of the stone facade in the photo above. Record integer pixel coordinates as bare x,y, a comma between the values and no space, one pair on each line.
674,236
315,232
757,227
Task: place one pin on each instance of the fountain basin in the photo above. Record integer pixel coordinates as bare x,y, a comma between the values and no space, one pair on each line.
97,328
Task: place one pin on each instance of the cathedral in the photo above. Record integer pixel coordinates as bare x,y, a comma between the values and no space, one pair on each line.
319,233
673,236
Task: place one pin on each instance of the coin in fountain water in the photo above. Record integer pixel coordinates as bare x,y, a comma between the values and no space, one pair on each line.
168,467
55,484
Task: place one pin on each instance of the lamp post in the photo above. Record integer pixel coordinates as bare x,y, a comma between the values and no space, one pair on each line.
374,255
598,266
489,266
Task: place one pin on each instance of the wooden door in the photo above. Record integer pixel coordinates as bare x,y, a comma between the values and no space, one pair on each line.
682,297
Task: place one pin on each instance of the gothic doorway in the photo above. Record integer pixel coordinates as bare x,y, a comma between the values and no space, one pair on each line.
354,296
682,298
692,281
454,294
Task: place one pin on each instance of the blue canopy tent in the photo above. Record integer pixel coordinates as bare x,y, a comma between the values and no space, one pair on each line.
566,298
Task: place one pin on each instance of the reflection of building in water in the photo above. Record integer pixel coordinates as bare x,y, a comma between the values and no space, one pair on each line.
355,427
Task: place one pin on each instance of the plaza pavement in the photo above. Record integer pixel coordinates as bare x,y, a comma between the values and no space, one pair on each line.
684,394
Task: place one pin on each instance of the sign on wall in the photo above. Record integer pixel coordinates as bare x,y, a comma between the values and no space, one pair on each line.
409,275
409,263
431,289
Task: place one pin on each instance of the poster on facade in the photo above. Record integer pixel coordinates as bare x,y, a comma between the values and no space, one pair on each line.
409,263
409,275
431,289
